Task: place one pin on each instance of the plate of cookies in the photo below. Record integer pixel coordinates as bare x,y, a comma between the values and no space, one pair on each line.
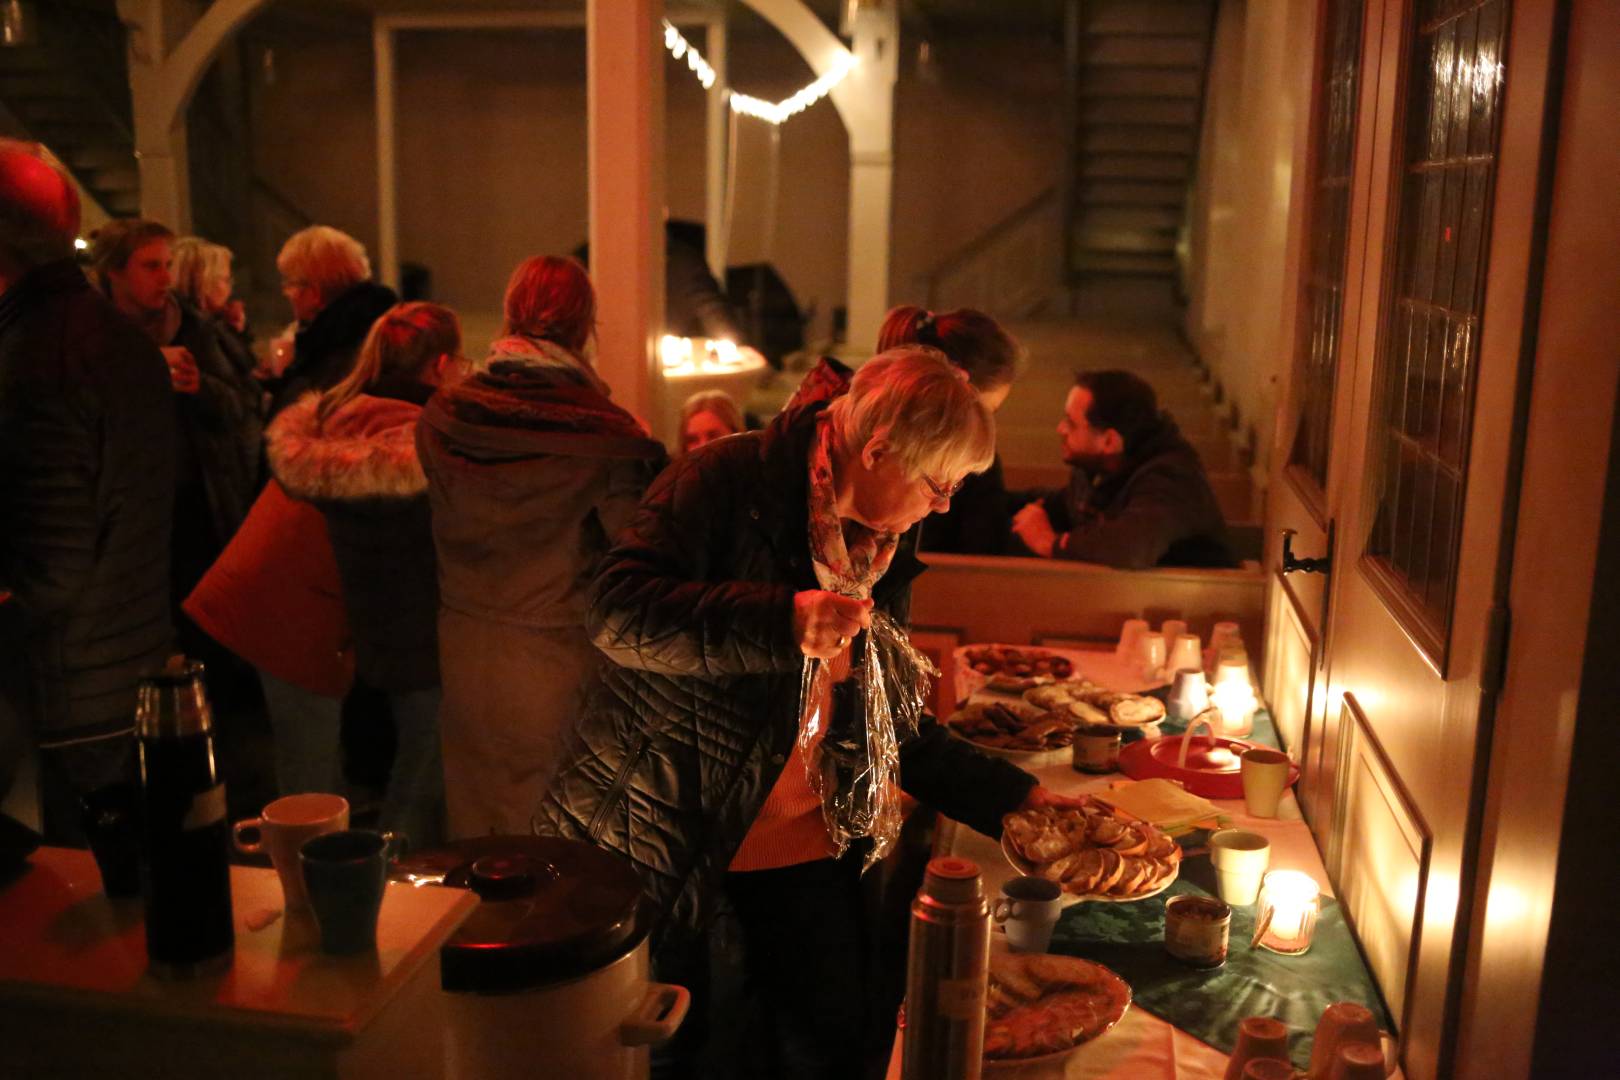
1090,703
1094,852
1040,1007
1017,730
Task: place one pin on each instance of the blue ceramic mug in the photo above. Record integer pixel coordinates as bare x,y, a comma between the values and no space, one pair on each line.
345,873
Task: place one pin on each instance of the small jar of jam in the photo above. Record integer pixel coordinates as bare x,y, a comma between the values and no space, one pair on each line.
1196,930
1096,748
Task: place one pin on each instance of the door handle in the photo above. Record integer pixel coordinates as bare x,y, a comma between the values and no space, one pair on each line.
1290,564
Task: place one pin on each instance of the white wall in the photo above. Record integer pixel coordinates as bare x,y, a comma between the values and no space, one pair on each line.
1240,209
492,152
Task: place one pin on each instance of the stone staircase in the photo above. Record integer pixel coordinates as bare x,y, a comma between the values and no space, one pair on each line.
1138,76
68,88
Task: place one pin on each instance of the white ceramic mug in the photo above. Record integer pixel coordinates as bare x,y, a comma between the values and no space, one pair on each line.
1028,910
1172,630
1344,1023
283,826
1240,858
1189,694
1130,636
1185,654
1265,777
1151,656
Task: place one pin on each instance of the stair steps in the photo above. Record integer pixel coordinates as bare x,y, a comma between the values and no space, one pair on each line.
69,92
1140,83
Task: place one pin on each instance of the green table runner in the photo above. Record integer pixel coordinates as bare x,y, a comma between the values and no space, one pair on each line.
1129,938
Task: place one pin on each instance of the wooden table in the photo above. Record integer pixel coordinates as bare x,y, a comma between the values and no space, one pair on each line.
76,998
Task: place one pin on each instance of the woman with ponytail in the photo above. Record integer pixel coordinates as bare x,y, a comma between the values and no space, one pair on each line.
979,519
351,451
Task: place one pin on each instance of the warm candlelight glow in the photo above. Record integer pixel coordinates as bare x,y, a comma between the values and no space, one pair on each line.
1287,908
1236,703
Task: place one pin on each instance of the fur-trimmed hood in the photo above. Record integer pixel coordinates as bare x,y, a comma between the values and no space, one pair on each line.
365,450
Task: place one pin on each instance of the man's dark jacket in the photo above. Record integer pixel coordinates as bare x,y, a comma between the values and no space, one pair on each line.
324,350
87,445
1157,510
698,710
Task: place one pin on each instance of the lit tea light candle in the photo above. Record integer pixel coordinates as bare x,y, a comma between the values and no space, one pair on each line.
675,352
1286,912
1236,703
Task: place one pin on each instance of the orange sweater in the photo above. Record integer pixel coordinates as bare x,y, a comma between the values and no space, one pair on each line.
790,829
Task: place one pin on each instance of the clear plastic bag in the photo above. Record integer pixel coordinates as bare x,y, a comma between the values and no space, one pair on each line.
853,748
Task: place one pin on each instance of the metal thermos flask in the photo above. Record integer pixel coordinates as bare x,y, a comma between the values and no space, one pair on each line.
946,970
185,871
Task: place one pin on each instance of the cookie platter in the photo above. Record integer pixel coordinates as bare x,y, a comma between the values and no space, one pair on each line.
1092,851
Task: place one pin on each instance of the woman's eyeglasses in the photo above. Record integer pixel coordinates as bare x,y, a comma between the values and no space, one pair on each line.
942,491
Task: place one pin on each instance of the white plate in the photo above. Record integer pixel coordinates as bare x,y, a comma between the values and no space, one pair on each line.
1024,866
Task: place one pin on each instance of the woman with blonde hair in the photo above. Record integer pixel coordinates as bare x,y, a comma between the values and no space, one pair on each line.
326,278
351,451
202,278
709,415
743,564
531,471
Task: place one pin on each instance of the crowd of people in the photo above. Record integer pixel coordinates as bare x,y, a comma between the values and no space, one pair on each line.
571,633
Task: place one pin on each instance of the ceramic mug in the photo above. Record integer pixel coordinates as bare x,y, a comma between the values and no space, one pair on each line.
1344,1023
1259,1038
1130,636
1240,859
283,826
1028,910
1265,777
1189,694
346,873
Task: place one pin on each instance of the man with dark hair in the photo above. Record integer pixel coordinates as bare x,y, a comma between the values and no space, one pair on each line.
87,443
1137,494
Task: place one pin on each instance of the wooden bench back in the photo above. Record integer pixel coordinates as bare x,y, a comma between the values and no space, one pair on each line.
981,598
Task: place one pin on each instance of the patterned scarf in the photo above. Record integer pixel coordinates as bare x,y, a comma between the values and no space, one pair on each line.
849,557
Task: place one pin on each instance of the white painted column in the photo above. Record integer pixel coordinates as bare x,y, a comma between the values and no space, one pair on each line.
160,129
717,223
870,87
625,80
386,268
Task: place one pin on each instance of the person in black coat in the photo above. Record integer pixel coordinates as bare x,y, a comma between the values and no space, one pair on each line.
746,558
87,450
351,451
217,406
1137,495
326,278
978,520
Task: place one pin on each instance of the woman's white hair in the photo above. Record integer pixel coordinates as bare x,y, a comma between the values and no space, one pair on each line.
923,406
197,263
328,259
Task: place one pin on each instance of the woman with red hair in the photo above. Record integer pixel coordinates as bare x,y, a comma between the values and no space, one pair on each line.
531,470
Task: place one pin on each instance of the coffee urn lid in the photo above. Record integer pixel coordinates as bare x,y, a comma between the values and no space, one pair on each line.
550,910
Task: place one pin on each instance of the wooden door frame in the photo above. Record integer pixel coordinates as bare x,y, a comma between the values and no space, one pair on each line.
1538,895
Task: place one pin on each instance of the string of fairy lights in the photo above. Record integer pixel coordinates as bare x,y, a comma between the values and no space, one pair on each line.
772,112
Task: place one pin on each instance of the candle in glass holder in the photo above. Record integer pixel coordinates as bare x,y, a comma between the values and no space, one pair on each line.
1236,703
1287,910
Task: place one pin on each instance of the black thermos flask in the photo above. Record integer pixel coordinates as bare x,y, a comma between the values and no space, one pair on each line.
186,877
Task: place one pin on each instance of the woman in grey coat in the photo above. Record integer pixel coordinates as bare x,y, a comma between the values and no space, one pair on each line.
531,470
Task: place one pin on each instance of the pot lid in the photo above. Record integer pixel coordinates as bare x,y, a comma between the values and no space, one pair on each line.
551,910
